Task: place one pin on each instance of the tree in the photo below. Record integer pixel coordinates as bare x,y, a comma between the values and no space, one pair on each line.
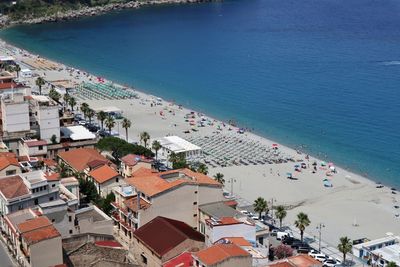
301,223
260,205
280,214
144,137
391,264
84,108
40,82
283,251
345,246
178,160
202,168
63,169
53,94
120,147
110,123
66,98
126,124
156,146
219,177
17,69
53,139
72,102
90,114
101,116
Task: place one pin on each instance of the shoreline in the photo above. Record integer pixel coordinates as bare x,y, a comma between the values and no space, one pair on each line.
352,193
86,11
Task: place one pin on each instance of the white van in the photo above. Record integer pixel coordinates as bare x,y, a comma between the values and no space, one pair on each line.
282,235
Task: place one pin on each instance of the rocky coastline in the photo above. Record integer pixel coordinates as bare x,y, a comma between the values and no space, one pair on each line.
5,21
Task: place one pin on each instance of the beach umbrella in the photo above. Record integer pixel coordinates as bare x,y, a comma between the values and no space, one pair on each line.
323,163
330,164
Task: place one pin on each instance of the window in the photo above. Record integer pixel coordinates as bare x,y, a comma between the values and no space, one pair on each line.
70,218
116,179
53,220
36,201
144,259
11,172
51,198
194,203
40,148
195,215
53,185
70,232
195,192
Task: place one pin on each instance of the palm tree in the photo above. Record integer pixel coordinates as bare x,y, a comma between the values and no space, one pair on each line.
144,137
260,205
345,246
110,123
280,214
126,124
202,168
72,103
66,100
90,114
17,69
302,222
156,146
219,177
63,169
391,264
84,107
101,116
40,82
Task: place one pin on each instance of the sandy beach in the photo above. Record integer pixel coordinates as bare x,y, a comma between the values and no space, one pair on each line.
353,206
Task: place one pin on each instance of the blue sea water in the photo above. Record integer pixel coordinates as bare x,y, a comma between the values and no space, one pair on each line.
324,74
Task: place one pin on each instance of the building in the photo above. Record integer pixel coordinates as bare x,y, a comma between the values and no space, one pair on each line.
32,147
375,250
105,178
177,145
45,117
175,194
93,220
9,86
25,190
15,114
131,163
162,239
300,260
9,164
222,255
31,238
82,159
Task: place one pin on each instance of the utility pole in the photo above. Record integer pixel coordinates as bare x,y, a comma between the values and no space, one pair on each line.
319,227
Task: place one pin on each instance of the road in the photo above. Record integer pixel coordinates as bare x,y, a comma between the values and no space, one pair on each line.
5,259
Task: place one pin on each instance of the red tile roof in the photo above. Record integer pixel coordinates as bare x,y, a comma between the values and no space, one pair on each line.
153,183
220,252
132,159
240,241
13,186
79,158
49,162
183,260
34,224
304,261
41,234
163,234
33,143
55,176
228,220
103,174
108,243
8,160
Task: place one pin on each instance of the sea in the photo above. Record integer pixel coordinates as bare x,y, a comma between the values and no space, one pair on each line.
319,75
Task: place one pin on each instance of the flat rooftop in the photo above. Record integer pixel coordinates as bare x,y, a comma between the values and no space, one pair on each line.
389,253
177,144
91,213
219,210
77,133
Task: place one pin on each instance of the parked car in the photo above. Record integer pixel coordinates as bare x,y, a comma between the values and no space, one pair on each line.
321,257
245,212
297,245
303,250
103,133
313,252
82,122
331,262
289,240
282,235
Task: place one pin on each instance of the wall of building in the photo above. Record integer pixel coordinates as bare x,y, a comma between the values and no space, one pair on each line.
128,170
30,202
7,171
15,117
46,253
184,246
210,194
233,261
49,122
140,249
105,188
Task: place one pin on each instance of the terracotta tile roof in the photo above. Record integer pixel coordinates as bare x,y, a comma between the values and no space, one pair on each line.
41,234
132,159
8,160
55,176
304,261
281,264
228,220
13,186
239,241
132,204
103,174
153,183
108,243
163,234
34,143
34,224
183,260
79,158
96,163
8,85
231,203
49,162
220,252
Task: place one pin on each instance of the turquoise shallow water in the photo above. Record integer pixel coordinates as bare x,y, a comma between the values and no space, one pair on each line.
324,74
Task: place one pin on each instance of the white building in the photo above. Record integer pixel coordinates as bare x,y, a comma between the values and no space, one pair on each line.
177,145
15,113
45,114
375,250
32,147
